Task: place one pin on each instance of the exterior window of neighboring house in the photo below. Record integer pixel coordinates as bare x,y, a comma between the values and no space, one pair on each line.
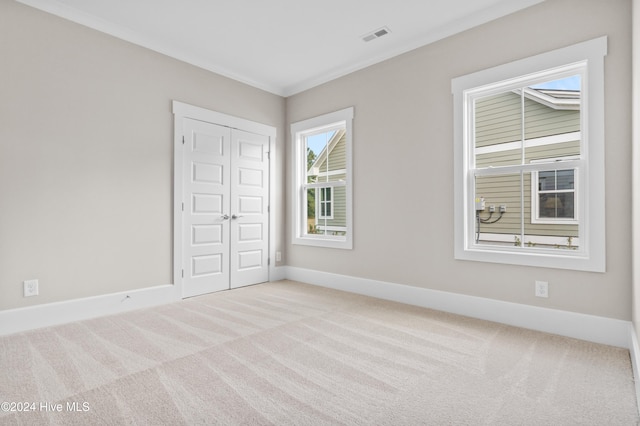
325,206
322,180
554,196
529,169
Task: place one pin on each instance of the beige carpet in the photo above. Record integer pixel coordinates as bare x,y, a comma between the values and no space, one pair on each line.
291,354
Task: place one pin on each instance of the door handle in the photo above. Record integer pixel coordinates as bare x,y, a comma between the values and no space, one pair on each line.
236,216
224,217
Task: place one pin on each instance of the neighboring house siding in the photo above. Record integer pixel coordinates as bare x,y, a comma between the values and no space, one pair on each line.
498,122
557,150
336,172
337,156
339,208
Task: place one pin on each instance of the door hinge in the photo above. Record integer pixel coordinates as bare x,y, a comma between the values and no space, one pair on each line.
269,155
183,273
268,261
182,139
182,206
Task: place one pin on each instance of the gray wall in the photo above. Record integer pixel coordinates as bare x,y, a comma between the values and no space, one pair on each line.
86,156
403,220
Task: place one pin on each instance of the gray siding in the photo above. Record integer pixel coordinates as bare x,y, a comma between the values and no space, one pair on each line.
337,157
498,120
514,156
337,162
505,189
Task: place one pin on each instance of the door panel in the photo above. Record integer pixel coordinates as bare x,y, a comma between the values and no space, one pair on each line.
249,206
226,187
206,170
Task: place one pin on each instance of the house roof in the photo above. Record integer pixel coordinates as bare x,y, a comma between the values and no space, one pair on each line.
553,98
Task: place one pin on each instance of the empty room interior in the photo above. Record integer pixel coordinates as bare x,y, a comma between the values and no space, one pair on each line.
341,212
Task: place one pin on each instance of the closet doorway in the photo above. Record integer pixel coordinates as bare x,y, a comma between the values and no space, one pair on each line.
222,174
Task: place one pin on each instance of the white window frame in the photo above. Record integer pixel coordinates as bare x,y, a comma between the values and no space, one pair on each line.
591,255
535,193
299,131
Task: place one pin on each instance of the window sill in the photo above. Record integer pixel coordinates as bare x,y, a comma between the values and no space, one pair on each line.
327,242
577,261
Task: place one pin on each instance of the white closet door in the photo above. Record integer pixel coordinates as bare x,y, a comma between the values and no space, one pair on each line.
206,218
225,216
249,208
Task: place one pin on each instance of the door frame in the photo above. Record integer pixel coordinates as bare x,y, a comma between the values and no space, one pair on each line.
181,111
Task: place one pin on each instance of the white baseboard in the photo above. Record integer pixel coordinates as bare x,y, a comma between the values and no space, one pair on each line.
46,315
278,273
591,328
634,353
49,314
581,326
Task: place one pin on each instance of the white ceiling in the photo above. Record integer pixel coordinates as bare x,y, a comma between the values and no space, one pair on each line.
281,46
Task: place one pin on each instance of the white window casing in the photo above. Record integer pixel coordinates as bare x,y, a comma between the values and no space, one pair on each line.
341,237
585,59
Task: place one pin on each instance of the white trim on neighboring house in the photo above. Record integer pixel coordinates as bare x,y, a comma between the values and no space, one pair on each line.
535,192
331,173
529,143
321,200
536,239
332,228
559,103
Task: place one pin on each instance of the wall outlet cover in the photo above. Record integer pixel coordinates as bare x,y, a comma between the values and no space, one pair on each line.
542,289
31,288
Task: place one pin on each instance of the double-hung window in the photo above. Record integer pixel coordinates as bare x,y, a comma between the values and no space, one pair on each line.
529,161
322,180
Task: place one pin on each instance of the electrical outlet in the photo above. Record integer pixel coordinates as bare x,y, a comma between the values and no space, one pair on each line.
503,208
542,289
492,208
30,288
278,256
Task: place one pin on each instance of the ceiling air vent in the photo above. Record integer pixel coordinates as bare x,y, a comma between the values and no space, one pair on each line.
376,34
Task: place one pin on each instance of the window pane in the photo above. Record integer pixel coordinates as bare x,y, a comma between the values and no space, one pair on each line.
499,228
552,119
326,156
557,205
565,179
498,129
322,160
317,160
547,181
311,211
